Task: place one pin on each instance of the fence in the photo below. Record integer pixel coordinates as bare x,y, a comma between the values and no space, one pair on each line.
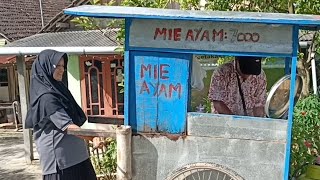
15,107
122,135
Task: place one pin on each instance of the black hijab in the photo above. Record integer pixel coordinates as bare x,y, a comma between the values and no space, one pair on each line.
57,95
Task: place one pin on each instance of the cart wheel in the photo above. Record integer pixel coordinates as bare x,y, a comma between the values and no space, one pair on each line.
204,171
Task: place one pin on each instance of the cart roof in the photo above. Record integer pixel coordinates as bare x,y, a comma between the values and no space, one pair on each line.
304,21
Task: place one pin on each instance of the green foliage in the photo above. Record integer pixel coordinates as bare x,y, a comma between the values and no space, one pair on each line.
190,4
134,3
105,163
121,85
253,5
220,5
225,59
90,23
120,34
307,7
306,133
146,3
85,22
207,104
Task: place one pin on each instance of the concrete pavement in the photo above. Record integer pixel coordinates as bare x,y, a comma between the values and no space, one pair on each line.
12,160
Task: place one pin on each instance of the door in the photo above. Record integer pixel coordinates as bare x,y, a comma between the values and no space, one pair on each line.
101,94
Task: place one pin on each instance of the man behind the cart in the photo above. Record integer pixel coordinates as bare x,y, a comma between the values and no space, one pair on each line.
239,88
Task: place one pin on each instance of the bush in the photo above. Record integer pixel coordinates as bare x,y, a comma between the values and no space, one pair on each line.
105,160
306,134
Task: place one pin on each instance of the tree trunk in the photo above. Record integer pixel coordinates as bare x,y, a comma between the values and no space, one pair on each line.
291,7
303,71
304,63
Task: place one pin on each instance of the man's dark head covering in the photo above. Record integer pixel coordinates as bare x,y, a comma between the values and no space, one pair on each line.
48,95
249,65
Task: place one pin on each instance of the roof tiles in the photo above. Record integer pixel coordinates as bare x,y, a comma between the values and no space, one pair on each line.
22,18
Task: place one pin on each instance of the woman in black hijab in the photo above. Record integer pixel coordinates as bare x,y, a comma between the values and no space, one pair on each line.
52,112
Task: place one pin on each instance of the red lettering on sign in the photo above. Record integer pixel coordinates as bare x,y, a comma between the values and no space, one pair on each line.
219,34
177,34
144,88
163,90
147,69
170,34
175,88
190,35
163,72
198,31
143,69
205,35
201,34
157,88
159,32
155,71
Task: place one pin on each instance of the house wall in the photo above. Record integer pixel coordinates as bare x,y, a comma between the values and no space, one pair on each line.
4,93
3,42
74,77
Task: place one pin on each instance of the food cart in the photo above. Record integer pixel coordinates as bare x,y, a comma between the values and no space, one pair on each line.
168,141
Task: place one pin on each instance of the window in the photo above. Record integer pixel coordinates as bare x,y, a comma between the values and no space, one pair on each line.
101,85
3,77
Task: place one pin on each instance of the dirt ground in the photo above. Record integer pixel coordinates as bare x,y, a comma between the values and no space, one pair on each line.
12,160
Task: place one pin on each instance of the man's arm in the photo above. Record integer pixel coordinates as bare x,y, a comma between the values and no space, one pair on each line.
258,112
261,97
218,92
221,108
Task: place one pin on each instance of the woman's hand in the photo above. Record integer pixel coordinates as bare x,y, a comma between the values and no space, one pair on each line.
98,142
73,126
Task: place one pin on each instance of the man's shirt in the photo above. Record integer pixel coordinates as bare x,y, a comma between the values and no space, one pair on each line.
224,87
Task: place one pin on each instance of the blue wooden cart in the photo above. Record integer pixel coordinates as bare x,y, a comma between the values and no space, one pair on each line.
171,143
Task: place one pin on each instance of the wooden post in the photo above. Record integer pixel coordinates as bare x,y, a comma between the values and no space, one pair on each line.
11,83
27,135
124,154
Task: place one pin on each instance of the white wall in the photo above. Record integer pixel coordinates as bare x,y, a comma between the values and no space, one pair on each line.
74,77
4,93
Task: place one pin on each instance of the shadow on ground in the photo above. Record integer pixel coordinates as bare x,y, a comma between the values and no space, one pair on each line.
16,175
12,160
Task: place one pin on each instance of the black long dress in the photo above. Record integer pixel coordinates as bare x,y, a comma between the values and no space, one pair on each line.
47,97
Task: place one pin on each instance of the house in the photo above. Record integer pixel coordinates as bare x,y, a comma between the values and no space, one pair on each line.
45,37
20,19
97,75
